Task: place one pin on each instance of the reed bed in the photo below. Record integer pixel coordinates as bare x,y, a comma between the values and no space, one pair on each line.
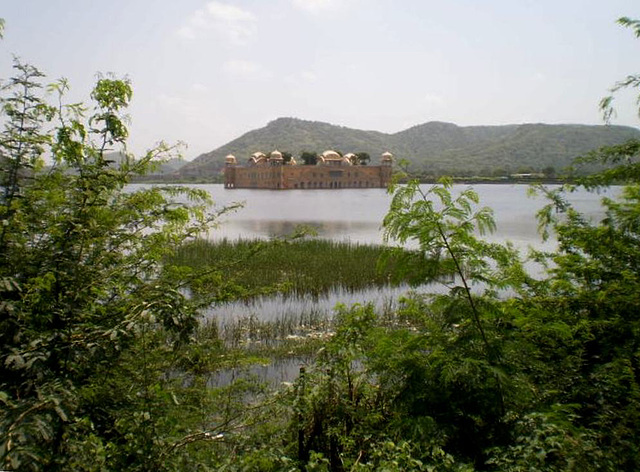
250,331
299,267
309,271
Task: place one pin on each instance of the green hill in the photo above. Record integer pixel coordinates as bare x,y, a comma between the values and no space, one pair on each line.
433,147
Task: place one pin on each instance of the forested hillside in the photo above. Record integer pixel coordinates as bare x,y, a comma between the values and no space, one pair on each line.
433,148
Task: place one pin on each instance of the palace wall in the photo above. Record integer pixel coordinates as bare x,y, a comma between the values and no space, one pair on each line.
307,177
264,173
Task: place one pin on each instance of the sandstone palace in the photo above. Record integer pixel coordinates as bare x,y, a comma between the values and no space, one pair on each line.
331,171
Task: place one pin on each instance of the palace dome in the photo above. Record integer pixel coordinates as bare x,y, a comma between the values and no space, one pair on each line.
257,158
330,155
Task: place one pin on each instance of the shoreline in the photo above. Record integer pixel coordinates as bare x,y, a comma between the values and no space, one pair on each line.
455,180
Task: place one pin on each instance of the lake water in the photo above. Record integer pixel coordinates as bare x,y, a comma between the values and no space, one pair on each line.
356,214
350,215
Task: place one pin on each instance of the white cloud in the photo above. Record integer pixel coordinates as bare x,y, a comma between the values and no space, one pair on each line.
246,69
179,105
199,88
303,77
186,32
236,25
539,77
433,100
317,6
308,76
231,13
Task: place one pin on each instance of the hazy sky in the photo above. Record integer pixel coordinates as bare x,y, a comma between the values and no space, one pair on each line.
205,72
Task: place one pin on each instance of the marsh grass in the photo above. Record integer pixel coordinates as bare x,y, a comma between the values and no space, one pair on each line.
251,332
299,267
292,334
273,350
288,291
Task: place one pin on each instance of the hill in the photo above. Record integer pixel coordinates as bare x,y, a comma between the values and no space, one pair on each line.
434,147
164,169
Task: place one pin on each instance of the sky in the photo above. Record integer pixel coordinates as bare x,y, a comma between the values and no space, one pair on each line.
206,72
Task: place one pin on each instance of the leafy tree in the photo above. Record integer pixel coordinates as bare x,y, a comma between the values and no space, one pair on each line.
498,370
83,283
363,158
309,158
631,81
549,171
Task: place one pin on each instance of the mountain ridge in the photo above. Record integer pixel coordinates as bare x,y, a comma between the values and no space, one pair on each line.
433,147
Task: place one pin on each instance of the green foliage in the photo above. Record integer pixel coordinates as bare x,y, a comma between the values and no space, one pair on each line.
622,165
444,228
105,365
309,158
630,23
286,156
499,372
595,277
631,81
87,303
549,442
362,158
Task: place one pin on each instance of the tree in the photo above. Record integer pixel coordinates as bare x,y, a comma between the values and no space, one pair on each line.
631,81
309,158
549,171
83,282
363,158
499,369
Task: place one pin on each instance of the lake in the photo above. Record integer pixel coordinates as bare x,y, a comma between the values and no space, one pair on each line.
346,215
356,215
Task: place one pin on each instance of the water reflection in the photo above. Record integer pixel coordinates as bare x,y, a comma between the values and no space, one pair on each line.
356,214
336,230
276,372
303,308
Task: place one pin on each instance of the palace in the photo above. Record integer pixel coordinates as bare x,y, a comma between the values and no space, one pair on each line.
331,171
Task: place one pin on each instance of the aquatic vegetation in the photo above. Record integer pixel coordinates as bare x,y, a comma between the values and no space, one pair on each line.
304,266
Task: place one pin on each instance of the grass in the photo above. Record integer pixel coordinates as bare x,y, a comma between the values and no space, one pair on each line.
299,267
